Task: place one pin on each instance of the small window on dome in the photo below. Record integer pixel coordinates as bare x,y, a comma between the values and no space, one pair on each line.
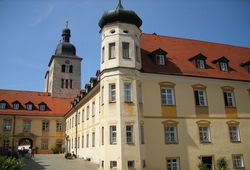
125,31
112,31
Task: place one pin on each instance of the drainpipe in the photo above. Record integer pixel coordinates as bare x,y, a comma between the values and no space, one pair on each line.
76,122
13,133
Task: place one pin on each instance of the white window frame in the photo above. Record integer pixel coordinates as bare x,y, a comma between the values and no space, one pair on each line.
26,125
42,107
223,66
2,105
234,133
7,124
202,98
167,96
173,164
45,126
170,132
129,134
113,134
128,92
112,92
204,134
200,63
113,164
160,59
238,161
229,98
16,106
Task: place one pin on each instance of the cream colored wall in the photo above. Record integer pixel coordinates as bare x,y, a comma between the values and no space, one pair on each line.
36,129
189,147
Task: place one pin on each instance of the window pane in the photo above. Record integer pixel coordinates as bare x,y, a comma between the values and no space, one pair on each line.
111,50
167,97
127,92
125,50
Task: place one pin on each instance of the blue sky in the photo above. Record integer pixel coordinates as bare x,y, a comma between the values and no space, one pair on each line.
31,29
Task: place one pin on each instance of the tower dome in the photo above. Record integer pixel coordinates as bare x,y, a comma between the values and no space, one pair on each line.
120,15
65,47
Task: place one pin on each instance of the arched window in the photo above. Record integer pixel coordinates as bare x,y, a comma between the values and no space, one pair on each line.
63,68
71,68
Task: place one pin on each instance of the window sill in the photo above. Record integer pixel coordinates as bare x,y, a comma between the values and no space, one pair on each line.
170,105
235,141
172,143
230,107
205,142
128,102
112,102
201,106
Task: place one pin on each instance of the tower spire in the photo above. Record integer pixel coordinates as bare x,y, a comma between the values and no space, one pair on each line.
67,23
66,33
119,6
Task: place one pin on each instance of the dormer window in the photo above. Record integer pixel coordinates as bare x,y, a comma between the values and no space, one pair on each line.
2,104
29,106
160,59
16,105
222,63
159,56
199,61
246,65
223,66
42,106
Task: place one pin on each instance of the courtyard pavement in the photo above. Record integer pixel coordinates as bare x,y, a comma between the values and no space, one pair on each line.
57,162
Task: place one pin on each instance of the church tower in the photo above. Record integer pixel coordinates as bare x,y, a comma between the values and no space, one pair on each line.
63,79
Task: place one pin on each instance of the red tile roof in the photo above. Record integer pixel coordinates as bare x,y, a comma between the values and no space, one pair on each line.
180,50
55,106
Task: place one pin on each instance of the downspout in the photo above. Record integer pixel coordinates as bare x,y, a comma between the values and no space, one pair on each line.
76,122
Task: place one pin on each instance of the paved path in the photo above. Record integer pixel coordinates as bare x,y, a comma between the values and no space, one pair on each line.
57,162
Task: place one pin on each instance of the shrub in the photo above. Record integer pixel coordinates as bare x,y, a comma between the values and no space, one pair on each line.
202,166
11,163
55,150
222,163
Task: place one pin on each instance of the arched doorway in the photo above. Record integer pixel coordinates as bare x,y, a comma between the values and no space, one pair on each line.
27,142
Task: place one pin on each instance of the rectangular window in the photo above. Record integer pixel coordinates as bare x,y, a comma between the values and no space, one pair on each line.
71,84
167,96
113,164
42,107
93,139
204,132
72,143
125,50
102,164
82,141
75,142
170,134
112,93
62,83
67,83
2,105
173,164
87,141
59,126
102,95
137,54
142,135
16,106
45,126
111,50
127,92
29,106
45,144
200,63
223,66
229,99
7,125
234,133
102,135
131,164
143,163
93,109
200,97
87,112
103,54
160,59
26,125
129,134
113,135
238,161
82,115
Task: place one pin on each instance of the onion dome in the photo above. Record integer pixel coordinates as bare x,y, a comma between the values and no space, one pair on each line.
65,47
120,15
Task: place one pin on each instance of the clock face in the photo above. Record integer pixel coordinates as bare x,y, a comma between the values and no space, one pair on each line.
67,62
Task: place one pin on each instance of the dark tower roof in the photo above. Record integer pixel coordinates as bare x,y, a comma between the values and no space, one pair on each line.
120,15
65,47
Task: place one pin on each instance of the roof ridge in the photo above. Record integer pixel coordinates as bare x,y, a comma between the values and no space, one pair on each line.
23,91
189,39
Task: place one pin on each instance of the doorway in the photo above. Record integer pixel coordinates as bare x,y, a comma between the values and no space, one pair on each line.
25,142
